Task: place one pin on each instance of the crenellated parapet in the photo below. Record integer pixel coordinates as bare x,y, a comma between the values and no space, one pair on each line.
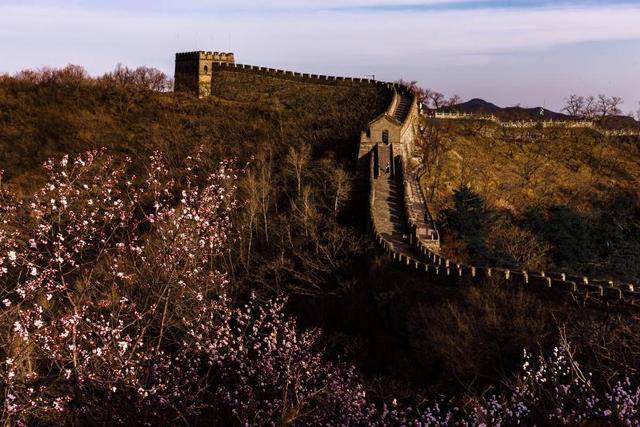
206,56
293,75
193,70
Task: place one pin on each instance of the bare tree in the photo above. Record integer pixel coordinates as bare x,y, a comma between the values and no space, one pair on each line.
437,99
425,96
590,107
309,211
608,105
574,105
298,159
264,188
144,77
615,102
251,195
522,245
152,78
454,100
342,186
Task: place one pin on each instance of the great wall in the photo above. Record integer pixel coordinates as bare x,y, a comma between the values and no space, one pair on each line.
403,227
399,218
528,124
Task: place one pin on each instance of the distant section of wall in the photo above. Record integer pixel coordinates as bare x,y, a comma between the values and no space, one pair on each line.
527,124
425,259
249,83
292,75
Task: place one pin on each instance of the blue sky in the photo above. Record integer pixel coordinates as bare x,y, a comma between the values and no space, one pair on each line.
520,51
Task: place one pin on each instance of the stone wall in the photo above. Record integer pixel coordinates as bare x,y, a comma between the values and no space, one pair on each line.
423,236
427,260
303,77
528,124
237,81
425,256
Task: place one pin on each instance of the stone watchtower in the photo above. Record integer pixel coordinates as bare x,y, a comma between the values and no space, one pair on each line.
194,69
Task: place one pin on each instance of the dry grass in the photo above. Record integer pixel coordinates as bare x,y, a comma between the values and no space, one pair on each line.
517,169
574,192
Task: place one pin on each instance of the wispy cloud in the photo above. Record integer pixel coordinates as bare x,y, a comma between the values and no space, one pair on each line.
298,6
445,5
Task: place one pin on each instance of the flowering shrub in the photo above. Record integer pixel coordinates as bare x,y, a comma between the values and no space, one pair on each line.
100,276
555,391
115,311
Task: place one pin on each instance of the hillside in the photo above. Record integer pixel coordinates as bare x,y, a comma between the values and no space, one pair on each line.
39,121
300,233
551,189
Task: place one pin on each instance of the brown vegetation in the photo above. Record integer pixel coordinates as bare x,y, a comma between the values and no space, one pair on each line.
551,189
303,209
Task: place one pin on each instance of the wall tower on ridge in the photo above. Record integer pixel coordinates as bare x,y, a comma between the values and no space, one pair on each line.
194,70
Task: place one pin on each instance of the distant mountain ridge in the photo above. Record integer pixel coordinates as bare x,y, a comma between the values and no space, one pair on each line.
480,106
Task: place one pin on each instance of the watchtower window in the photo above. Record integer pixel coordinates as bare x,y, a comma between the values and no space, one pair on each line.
385,136
206,69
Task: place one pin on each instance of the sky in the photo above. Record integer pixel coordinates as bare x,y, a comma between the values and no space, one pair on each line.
528,52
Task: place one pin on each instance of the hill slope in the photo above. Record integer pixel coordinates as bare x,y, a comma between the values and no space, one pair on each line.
302,221
568,194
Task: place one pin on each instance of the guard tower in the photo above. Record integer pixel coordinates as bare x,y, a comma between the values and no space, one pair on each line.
194,70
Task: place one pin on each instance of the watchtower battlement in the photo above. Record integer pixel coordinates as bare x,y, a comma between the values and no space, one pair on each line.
194,70
206,56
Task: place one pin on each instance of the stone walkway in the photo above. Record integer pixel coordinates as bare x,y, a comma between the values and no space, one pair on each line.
388,207
424,225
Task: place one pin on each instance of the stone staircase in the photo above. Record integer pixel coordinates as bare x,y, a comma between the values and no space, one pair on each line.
424,234
388,212
388,208
403,107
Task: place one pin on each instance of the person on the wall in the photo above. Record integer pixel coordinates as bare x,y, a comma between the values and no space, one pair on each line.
388,168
